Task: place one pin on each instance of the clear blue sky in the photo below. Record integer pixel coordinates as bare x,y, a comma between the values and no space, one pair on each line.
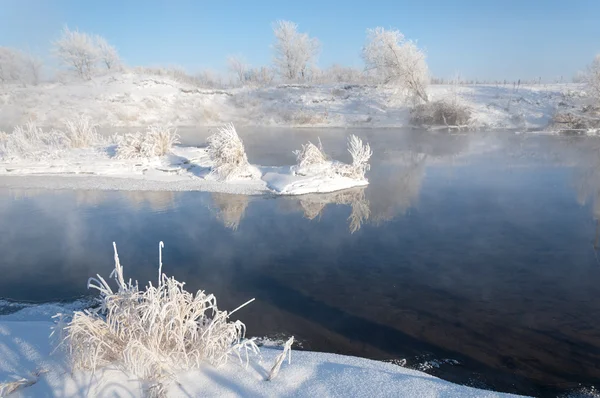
476,38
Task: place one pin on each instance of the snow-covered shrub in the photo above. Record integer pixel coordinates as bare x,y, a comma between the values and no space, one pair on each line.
155,141
397,61
80,132
311,159
155,331
310,155
361,153
441,113
226,150
30,142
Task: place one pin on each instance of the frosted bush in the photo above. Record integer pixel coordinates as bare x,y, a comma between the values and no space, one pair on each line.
311,159
226,150
80,132
155,141
451,113
30,142
155,331
310,154
361,153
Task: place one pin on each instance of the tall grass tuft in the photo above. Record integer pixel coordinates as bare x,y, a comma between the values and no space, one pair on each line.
154,331
80,132
155,141
226,150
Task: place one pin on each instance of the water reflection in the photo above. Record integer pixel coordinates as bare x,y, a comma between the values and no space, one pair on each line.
483,257
229,208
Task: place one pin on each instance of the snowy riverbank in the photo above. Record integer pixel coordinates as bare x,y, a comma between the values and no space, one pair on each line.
131,99
27,360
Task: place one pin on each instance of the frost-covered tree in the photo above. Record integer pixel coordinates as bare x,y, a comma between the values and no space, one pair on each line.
262,76
107,54
18,67
397,61
11,65
77,50
238,66
294,52
592,78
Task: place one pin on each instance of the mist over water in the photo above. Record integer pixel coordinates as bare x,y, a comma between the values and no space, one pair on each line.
476,248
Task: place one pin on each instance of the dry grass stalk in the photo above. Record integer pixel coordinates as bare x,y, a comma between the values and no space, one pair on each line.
287,350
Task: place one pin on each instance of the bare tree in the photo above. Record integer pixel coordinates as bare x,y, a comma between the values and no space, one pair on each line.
238,66
107,54
33,66
293,51
77,50
397,61
262,76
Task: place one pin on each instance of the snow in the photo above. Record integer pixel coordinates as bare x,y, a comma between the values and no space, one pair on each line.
290,184
135,99
26,354
184,169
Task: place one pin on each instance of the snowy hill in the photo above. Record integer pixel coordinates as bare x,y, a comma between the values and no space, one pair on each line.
131,99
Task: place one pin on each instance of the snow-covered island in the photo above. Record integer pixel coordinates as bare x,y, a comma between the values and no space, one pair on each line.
151,160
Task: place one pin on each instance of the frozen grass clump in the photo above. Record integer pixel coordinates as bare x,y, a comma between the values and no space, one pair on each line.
361,153
310,155
80,132
155,141
450,113
155,331
226,150
30,142
311,160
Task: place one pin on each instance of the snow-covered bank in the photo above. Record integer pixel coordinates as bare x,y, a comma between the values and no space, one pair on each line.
151,161
131,99
27,360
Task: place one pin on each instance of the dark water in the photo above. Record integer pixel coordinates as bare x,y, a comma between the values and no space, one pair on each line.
481,249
